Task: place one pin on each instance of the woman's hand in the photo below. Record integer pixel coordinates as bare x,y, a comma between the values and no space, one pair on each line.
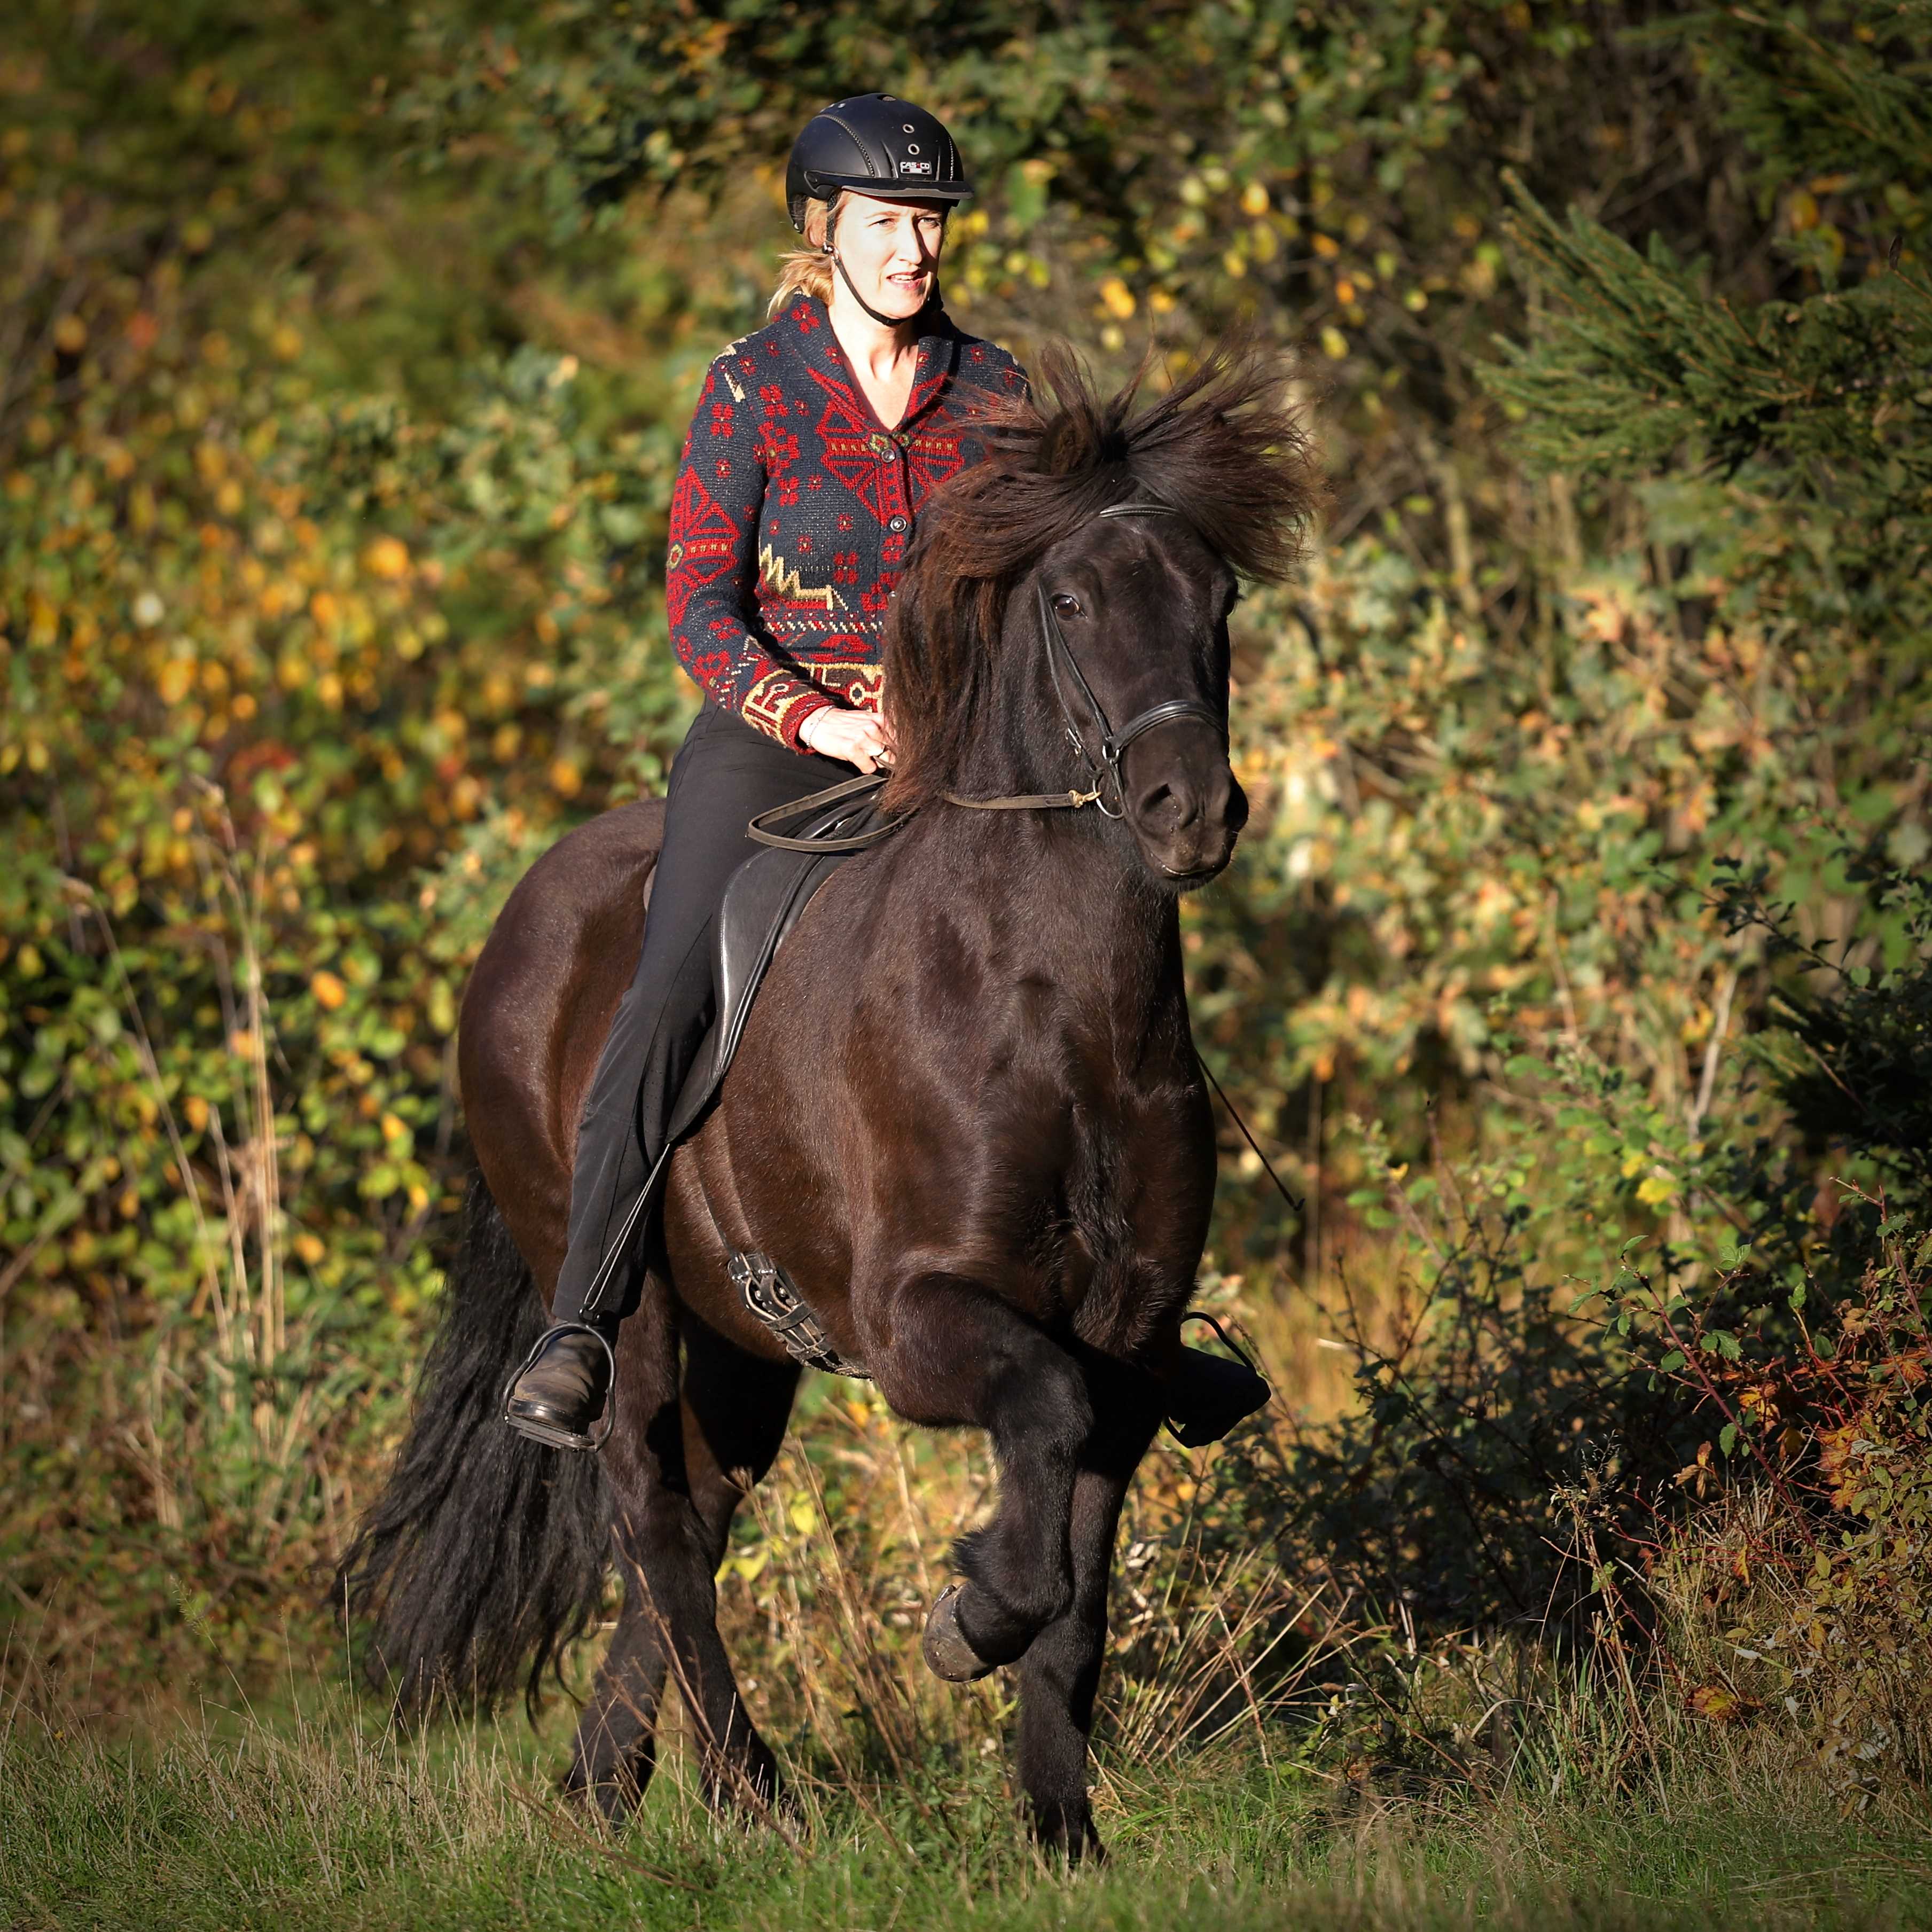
856,737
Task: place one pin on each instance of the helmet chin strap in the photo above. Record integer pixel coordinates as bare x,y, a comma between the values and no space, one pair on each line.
883,321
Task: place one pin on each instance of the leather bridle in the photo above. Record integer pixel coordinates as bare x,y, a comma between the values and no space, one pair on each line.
1104,770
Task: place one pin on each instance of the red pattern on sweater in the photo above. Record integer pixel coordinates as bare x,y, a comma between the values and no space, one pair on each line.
793,508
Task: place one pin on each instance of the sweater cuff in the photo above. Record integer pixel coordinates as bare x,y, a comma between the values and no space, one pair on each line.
779,702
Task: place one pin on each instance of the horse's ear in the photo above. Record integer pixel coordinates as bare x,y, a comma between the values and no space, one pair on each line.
1064,444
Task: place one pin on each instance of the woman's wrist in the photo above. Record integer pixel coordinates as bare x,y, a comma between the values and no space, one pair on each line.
812,723
853,736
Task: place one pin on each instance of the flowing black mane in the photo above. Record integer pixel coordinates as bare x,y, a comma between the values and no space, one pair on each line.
1222,448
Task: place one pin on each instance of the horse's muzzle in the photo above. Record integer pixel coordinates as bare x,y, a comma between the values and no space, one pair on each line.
1187,818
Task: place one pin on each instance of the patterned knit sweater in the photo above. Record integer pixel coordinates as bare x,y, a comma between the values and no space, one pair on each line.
794,507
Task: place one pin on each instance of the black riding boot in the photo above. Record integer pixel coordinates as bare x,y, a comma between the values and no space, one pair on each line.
1209,1394
559,1397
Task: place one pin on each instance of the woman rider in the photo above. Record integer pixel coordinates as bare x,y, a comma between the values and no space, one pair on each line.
814,443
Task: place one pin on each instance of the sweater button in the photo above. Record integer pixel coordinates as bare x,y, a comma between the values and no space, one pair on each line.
895,524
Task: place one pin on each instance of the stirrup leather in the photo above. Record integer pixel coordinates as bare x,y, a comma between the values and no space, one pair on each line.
770,1295
565,1438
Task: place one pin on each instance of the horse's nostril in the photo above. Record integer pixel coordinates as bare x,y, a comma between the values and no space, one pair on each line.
1164,807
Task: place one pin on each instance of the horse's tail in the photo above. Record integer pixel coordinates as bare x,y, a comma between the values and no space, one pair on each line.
485,1555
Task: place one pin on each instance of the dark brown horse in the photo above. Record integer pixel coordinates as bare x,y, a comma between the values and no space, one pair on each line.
966,1115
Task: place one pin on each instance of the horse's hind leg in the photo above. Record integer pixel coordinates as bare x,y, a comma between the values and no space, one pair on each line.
615,1750
678,1472
736,1407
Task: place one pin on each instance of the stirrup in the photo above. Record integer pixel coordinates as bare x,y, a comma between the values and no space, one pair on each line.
564,1439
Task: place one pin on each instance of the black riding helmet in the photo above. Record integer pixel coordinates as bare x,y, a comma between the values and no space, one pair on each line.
881,145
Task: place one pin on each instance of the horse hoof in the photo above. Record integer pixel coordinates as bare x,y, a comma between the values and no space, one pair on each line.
947,1652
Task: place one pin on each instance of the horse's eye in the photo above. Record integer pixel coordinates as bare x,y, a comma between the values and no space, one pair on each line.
1067,606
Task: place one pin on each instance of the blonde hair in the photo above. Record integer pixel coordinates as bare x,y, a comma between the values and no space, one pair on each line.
807,271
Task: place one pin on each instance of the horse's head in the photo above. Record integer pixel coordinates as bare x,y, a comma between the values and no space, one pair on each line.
1063,623
1129,615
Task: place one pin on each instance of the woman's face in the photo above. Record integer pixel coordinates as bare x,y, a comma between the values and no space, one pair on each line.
890,249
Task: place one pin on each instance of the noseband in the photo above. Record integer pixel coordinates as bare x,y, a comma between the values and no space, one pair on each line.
1104,770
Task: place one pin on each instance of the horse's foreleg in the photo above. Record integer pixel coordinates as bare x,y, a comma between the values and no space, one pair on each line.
957,1354
1061,1670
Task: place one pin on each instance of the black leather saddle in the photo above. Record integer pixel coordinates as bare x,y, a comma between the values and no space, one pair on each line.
763,902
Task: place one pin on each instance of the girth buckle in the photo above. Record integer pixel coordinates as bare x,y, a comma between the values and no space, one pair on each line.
771,1295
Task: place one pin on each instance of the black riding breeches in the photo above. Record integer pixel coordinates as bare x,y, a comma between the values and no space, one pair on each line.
725,772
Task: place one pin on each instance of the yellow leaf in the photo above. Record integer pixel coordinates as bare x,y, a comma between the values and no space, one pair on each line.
1117,297
1656,1190
308,1248
329,991
386,557
1334,343
1717,1703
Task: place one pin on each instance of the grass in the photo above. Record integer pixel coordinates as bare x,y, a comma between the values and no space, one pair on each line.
316,1817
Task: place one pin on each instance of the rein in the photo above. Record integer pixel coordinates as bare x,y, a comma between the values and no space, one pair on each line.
797,808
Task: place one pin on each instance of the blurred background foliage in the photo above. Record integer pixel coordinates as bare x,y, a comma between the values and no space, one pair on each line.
345,351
